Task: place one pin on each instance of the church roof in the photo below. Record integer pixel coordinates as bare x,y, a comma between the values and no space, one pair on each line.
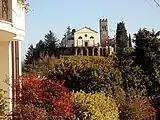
88,29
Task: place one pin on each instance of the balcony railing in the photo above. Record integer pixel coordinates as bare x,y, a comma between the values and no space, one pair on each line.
5,10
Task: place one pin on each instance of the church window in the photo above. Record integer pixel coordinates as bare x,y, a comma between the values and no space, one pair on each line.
80,37
91,37
85,35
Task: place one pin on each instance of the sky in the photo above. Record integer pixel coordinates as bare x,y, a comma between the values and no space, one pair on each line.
57,15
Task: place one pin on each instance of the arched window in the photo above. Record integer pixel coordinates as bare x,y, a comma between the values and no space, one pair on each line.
85,35
91,37
80,37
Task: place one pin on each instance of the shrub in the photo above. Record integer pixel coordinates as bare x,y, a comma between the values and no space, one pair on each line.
46,95
28,112
137,108
94,106
90,74
3,104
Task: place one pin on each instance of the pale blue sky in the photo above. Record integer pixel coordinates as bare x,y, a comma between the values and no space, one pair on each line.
56,15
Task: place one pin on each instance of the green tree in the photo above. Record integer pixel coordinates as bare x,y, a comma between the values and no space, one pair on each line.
29,55
121,39
130,41
40,50
68,30
133,77
50,41
46,47
124,53
147,49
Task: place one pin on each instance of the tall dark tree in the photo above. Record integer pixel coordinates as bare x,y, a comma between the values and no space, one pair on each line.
51,44
123,58
130,41
68,30
29,55
46,47
40,50
147,48
121,39
29,59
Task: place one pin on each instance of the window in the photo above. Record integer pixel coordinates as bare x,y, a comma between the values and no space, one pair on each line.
85,35
91,37
80,37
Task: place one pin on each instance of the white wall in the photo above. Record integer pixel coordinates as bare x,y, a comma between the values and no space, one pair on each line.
18,19
17,26
20,58
4,61
9,31
4,66
81,42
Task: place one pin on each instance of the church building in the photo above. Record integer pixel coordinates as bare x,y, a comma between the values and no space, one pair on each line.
85,41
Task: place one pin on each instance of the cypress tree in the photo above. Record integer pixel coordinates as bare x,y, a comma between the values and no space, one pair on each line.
130,41
121,39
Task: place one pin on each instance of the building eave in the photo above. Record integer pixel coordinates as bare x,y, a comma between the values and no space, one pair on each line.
88,29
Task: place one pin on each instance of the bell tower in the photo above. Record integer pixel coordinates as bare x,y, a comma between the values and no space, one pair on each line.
103,32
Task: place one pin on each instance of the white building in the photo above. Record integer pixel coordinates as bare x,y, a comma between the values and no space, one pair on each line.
85,41
158,34
12,32
84,37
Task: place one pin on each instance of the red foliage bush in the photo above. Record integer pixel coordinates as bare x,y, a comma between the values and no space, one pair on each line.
145,107
137,108
50,96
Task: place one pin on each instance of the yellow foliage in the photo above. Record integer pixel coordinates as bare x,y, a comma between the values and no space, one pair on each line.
94,106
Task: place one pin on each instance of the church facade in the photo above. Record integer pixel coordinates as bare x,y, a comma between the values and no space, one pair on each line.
85,42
